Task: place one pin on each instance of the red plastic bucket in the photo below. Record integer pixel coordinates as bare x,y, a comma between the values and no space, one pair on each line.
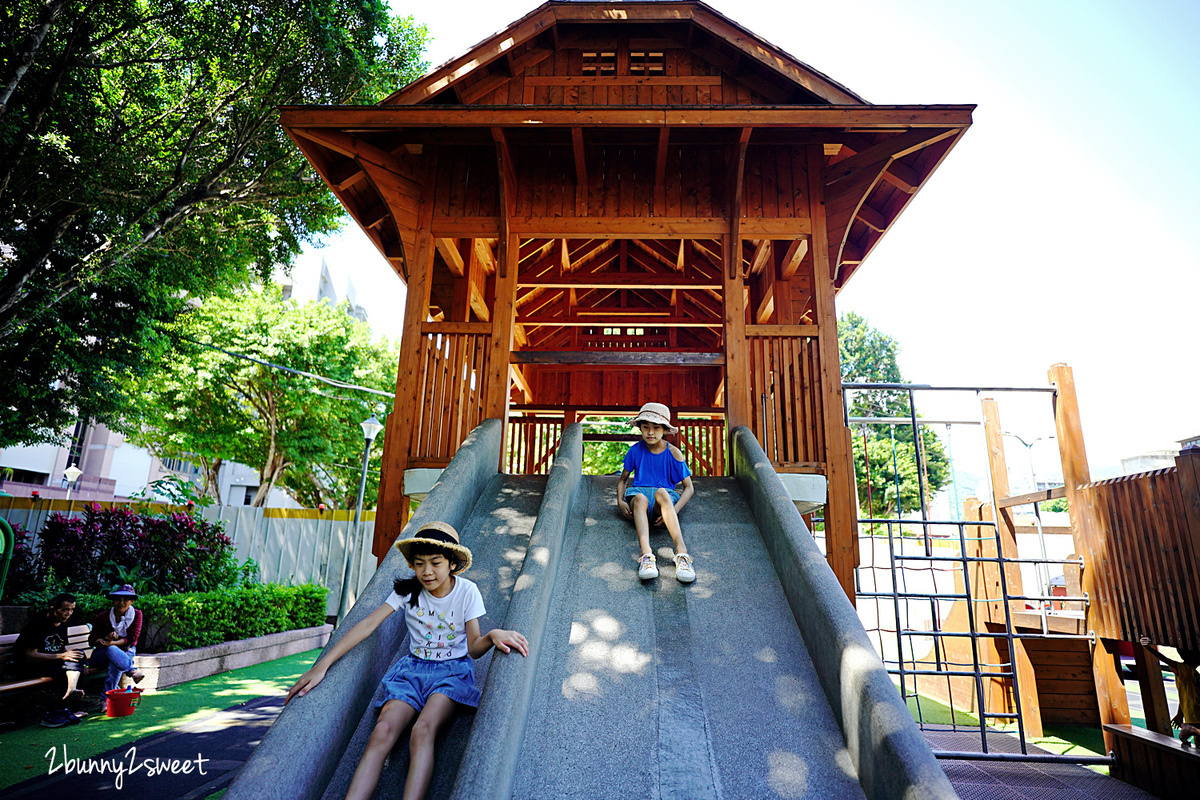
121,703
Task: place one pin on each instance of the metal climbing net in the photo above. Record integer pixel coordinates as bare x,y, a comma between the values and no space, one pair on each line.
941,597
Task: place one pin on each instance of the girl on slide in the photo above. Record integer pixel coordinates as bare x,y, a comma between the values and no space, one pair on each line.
437,676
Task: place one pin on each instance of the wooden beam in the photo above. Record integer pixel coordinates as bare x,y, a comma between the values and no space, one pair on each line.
437,116
475,328
374,215
518,378
885,152
841,522
903,177
766,305
621,227
795,253
640,358
762,256
1031,497
660,170
581,175
346,175
1110,689
733,181
800,331
619,280
353,147
449,250
618,318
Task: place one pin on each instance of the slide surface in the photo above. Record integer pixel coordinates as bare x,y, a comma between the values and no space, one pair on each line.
658,689
497,533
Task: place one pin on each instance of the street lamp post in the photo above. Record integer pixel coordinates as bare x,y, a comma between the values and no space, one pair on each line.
1029,454
72,474
370,428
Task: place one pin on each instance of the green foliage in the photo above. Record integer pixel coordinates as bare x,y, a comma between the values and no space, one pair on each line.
1058,504
175,489
196,619
141,163
605,458
298,433
870,356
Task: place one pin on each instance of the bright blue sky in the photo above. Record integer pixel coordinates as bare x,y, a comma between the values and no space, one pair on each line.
1058,228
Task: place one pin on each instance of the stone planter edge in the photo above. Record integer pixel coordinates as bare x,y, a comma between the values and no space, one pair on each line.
170,669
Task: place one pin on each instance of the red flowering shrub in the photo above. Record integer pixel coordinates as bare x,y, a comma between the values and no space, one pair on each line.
159,553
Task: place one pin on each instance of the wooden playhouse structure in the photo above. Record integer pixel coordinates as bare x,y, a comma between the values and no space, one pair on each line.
608,203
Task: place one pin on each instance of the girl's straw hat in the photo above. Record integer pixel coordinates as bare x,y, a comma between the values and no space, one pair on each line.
441,534
656,413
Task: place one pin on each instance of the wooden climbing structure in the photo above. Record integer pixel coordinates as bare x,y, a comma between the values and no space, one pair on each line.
609,203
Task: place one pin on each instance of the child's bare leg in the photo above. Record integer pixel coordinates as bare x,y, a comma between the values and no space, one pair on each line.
666,508
641,521
393,719
72,682
438,711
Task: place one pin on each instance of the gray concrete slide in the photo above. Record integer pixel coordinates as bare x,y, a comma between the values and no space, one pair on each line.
741,685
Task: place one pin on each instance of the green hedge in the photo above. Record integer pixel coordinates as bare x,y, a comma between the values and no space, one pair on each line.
195,619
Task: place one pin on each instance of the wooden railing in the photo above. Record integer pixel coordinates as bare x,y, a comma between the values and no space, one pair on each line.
786,392
532,442
1143,532
450,375
703,444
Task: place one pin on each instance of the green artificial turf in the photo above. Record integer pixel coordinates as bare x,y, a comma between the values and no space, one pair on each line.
24,750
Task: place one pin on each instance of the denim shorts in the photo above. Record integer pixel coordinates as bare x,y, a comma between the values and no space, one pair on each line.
414,679
648,493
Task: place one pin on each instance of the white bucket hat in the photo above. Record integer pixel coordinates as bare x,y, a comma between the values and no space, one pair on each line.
656,413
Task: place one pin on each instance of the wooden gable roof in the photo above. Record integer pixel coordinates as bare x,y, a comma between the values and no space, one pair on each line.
573,88
705,42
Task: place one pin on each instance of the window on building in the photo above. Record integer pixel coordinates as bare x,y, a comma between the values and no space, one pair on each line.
250,492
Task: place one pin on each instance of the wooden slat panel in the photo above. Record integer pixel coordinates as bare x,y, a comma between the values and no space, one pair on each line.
1149,578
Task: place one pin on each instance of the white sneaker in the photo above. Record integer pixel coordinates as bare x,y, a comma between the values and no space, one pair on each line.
647,568
684,570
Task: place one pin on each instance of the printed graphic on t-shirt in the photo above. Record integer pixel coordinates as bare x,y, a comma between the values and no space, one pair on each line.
441,631
53,645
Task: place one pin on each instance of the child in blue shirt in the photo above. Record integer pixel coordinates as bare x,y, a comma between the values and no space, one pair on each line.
657,468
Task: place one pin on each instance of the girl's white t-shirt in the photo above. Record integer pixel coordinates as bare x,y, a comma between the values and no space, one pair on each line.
437,626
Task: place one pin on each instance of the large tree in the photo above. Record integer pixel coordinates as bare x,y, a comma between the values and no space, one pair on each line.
887,476
141,162
300,434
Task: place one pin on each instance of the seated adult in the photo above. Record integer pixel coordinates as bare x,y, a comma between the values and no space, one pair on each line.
41,648
114,637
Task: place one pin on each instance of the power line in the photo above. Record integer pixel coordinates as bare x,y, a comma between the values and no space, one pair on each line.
330,381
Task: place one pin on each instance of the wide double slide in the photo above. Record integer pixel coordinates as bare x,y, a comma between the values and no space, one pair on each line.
756,681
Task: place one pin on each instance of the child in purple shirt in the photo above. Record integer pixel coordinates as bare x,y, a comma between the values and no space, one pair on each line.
657,468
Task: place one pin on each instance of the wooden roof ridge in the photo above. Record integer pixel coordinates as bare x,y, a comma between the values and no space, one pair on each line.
549,14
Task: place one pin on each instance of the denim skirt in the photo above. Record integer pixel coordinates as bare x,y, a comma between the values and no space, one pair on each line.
413,680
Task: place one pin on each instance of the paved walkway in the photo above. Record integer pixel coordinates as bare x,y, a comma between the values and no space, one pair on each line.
210,749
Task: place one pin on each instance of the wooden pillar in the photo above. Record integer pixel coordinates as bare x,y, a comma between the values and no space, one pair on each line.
496,393
1154,693
392,513
1110,690
841,523
737,354
998,467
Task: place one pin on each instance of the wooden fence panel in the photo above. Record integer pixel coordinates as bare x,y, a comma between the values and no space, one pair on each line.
703,444
1149,583
451,372
533,441
786,398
